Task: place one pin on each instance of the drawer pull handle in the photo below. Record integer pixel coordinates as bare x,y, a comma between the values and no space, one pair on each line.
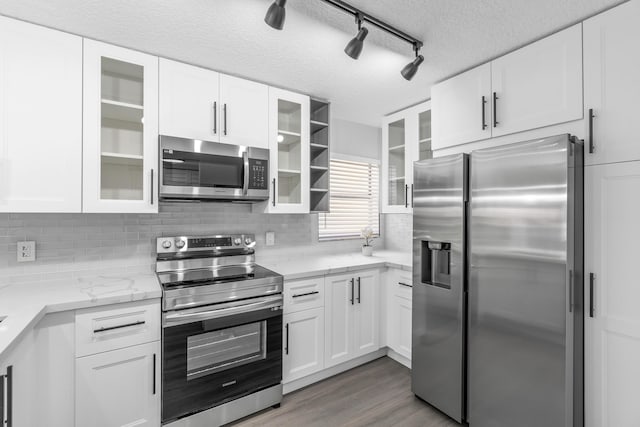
305,294
111,328
405,284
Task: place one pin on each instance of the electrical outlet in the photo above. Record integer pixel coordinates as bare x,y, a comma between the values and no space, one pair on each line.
26,251
270,238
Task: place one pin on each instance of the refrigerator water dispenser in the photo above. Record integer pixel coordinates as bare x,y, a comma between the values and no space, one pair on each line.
436,264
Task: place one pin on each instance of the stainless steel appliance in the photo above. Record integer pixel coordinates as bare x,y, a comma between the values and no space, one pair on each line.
221,330
501,345
192,169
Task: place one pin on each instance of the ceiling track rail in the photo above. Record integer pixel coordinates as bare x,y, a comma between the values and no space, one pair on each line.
357,13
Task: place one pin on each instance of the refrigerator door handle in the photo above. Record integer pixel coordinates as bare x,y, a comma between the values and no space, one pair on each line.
592,306
571,302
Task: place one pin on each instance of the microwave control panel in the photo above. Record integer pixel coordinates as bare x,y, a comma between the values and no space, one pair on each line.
258,174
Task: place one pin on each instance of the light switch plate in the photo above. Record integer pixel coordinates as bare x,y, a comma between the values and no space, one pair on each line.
270,238
26,251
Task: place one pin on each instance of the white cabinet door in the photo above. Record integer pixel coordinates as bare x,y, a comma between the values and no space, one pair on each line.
339,319
189,101
401,327
367,324
399,143
612,335
303,344
40,119
21,382
288,153
119,387
462,108
120,130
538,85
611,84
244,112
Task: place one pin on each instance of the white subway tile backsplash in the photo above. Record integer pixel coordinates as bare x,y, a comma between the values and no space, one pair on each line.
69,244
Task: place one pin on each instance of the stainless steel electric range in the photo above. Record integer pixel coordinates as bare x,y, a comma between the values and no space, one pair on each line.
221,330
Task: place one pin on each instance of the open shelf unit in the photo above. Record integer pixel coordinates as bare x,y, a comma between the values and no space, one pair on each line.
319,156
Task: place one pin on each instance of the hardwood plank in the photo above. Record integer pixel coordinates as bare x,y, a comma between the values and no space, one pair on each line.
375,394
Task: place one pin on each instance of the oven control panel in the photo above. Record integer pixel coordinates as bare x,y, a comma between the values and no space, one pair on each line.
205,243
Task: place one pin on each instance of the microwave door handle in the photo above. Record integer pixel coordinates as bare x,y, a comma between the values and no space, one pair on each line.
245,184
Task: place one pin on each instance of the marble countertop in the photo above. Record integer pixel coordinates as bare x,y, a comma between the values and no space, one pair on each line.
318,265
22,305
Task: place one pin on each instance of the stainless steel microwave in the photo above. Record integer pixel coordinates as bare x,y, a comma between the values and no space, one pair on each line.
191,169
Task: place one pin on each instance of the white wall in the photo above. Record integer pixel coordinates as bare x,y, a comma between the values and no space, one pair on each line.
355,139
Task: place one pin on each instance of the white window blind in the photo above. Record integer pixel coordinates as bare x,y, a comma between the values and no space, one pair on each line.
353,202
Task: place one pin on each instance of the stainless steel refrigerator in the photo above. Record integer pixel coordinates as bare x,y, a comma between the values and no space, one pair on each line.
497,305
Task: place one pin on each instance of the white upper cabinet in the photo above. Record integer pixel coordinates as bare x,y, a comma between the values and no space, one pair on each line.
244,116
406,138
538,85
40,119
189,101
288,153
197,103
612,85
462,108
120,130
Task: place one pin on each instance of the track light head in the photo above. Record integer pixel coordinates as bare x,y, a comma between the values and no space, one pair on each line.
354,47
276,14
411,68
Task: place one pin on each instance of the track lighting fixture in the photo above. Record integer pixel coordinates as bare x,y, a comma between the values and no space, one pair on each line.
354,47
411,68
276,14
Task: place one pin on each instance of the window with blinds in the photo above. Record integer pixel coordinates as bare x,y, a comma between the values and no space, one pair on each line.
353,202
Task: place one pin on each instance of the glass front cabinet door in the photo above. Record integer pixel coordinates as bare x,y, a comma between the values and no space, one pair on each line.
120,130
406,138
289,135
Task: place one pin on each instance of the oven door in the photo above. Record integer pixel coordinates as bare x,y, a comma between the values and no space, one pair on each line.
217,353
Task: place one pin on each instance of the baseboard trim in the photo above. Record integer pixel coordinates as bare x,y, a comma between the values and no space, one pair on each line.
334,370
399,358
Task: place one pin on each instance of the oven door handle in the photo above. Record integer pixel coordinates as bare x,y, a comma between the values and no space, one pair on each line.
245,184
230,309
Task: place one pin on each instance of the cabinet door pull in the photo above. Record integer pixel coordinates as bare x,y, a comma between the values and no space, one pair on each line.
154,373
495,110
592,146
274,191
111,328
305,294
406,195
484,105
1,400
9,375
592,306
359,293
352,281
405,284
224,112
151,198
286,342
215,117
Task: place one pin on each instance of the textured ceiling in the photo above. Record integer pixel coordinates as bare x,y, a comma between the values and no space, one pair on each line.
230,36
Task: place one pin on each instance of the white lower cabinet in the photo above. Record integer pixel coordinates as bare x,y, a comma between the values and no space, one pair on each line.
351,317
119,387
303,344
399,294
612,327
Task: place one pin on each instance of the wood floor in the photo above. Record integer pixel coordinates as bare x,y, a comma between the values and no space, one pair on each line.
375,394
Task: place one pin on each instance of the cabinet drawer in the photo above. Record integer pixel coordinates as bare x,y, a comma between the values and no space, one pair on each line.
116,326
303,294
402,286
